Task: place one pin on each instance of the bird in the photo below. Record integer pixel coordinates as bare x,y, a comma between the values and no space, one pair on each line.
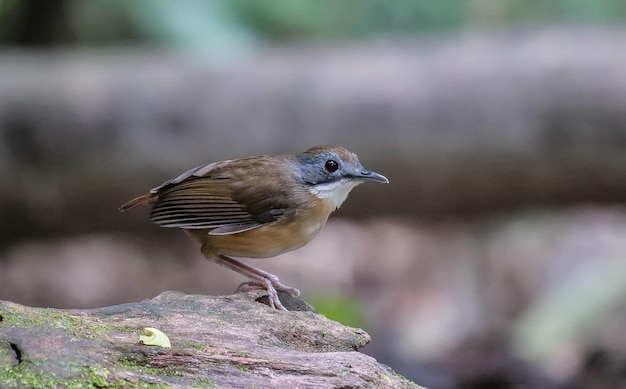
257,207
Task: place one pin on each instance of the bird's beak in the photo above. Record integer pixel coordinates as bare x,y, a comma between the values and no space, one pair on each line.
368,175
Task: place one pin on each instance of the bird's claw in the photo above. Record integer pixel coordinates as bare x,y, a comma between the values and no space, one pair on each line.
270,285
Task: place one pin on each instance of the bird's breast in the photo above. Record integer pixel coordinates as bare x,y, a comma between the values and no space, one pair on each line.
289,233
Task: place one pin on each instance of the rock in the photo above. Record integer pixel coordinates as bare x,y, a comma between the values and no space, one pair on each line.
217,341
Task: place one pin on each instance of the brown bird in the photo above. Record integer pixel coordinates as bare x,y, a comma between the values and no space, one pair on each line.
257,207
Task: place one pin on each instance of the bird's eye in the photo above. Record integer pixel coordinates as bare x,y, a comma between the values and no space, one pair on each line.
331,166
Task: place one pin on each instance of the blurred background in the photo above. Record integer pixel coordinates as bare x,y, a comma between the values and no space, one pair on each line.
496,258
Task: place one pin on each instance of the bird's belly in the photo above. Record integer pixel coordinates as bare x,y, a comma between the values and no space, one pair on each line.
266,241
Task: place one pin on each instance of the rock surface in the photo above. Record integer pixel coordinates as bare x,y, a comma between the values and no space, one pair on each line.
217,342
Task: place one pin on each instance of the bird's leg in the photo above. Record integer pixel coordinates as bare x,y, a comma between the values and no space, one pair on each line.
247,270
258,278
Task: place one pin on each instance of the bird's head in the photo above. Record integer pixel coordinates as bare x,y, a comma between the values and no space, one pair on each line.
330,173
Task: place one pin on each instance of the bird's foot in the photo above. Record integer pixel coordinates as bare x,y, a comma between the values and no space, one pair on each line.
247,286
271,286
272,294
259,279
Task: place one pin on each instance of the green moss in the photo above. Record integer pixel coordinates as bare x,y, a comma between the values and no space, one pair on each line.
244,354
20,376
42,317
204,383
5,353
128,330
98,377
76,325
17,316
196,346
361,340
28,376
138,364
384,381
239,353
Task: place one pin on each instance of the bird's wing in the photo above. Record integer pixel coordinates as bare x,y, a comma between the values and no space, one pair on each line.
216,197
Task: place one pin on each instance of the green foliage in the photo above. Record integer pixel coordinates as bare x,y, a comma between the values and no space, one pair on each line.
342,309
566,11
328,19
570,311
222,26
190,25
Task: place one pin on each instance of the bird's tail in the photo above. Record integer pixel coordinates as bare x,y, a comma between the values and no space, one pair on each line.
145,199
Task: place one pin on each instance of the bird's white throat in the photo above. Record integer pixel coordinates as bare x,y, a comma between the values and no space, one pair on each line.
334,193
